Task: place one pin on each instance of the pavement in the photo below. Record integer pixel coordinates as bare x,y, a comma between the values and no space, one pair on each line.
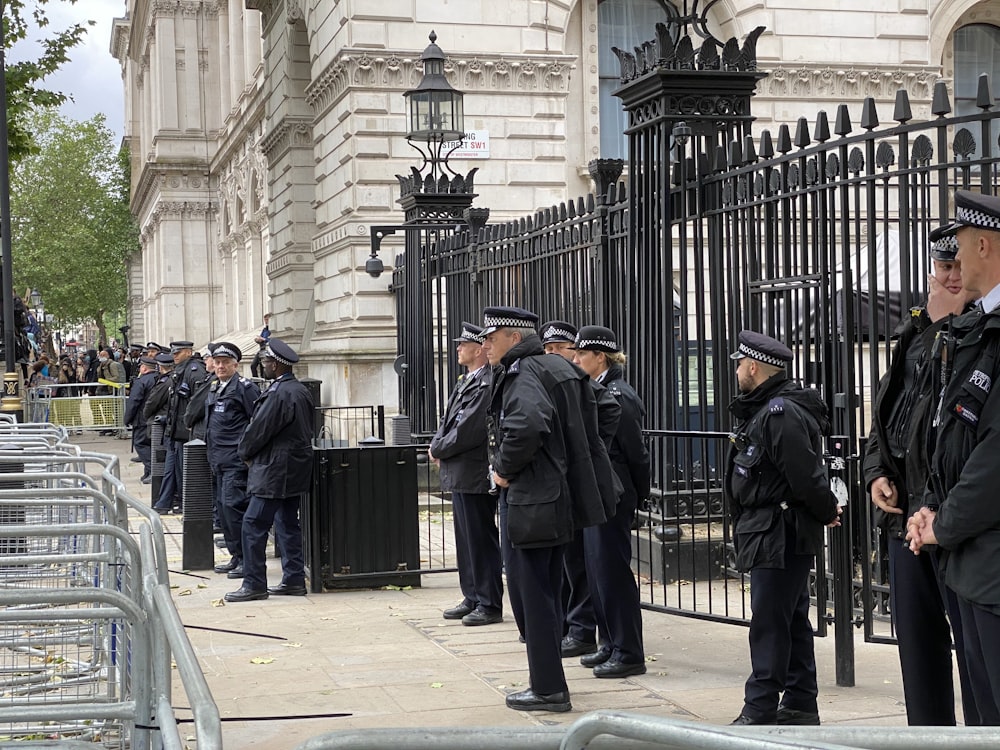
290,668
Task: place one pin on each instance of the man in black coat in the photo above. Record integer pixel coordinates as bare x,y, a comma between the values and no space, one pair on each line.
555,478
781,500
895,468
137,395
961,512
459,449
277,445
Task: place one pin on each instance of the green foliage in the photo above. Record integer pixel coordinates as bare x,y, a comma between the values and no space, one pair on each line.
25,92
71,226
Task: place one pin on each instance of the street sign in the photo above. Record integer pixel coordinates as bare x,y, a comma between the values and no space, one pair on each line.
474,145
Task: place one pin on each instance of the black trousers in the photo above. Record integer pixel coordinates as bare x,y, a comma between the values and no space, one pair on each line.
534,585
477,546
981,629
921,608
580,623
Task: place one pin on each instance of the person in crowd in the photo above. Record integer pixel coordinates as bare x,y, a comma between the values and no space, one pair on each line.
608,546
895,469
111,371
961,513
277,446
64,409
228,407
188,373
780,502
459,449
137,396
554,477
261,339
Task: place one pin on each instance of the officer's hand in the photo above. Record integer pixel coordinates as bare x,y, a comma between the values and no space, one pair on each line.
836,521
499,481
920,529
941,302
885,495
435,461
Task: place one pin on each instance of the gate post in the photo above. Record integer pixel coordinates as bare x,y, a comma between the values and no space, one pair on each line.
842,568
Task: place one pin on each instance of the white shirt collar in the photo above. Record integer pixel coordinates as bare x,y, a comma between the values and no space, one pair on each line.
991,299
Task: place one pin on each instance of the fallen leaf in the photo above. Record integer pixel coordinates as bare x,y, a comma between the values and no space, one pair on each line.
261,660
437,684
293,645
184,592
650,658
203,585
218,602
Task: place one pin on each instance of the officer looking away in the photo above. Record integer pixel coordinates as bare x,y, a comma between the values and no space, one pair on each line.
780,501
962,513
895,469
459,449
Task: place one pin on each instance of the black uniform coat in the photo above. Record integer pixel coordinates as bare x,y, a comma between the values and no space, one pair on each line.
184,380
460,442
227,415
278,441
194,414
158,398
964,465
628,450
777,458
544,439
137,396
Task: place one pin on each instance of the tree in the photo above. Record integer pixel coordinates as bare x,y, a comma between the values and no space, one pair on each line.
71,226
25,93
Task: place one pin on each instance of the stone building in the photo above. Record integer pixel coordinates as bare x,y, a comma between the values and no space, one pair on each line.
266,134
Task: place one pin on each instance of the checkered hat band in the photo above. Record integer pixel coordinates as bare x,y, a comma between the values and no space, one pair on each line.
224,351
552,332
976,218
947,244
767,359
489,322
584,343
269,352
467,334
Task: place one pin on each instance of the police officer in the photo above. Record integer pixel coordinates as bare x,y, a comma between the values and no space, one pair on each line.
780,502
188,373
961,514
459,449
554,476
194,414
608,546
137,395
229,405
277,444
896,476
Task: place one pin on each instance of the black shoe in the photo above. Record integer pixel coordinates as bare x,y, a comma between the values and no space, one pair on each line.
283,589
216,530
162,511
529,700
234,562
146,480
135,460
520,639
792,717
457,613
615,668
480,616
570,646
245,595
598,657
236,572
177,510
744,720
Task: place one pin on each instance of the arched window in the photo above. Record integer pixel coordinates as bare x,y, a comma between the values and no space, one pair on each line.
625,24
977,50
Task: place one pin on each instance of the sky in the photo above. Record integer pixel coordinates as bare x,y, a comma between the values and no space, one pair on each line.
92,77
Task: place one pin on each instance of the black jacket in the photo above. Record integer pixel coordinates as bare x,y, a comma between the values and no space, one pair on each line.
777,460
278,441
137,396
226,416
194,414
158,398
544,439
184,381
964,463
460,442
628,449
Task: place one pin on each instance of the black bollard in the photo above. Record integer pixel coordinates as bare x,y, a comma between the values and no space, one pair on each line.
158,457
198,547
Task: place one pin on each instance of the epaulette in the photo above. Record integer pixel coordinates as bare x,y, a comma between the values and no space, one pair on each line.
776,405
614,390
515,367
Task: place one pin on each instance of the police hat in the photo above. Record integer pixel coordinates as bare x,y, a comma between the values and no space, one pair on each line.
154,345
226,349
164,359
279,351
944,246
558,331
177,346
975,210
762,348
151,361
470,333
495,318
597,339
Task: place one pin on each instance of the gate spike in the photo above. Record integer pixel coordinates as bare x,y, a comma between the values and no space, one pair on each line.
749,154
902,112
941,103
984,99
869,117
802,133
720,159
843,124
784,139
590,203
766,145
821,133
735,154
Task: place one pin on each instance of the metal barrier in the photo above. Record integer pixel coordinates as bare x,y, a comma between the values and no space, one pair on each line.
345,426
88,630
74,406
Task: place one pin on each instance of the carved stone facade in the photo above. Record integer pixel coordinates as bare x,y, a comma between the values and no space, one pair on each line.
266,136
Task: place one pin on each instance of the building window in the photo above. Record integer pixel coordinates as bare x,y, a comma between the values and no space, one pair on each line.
977,50
625,24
